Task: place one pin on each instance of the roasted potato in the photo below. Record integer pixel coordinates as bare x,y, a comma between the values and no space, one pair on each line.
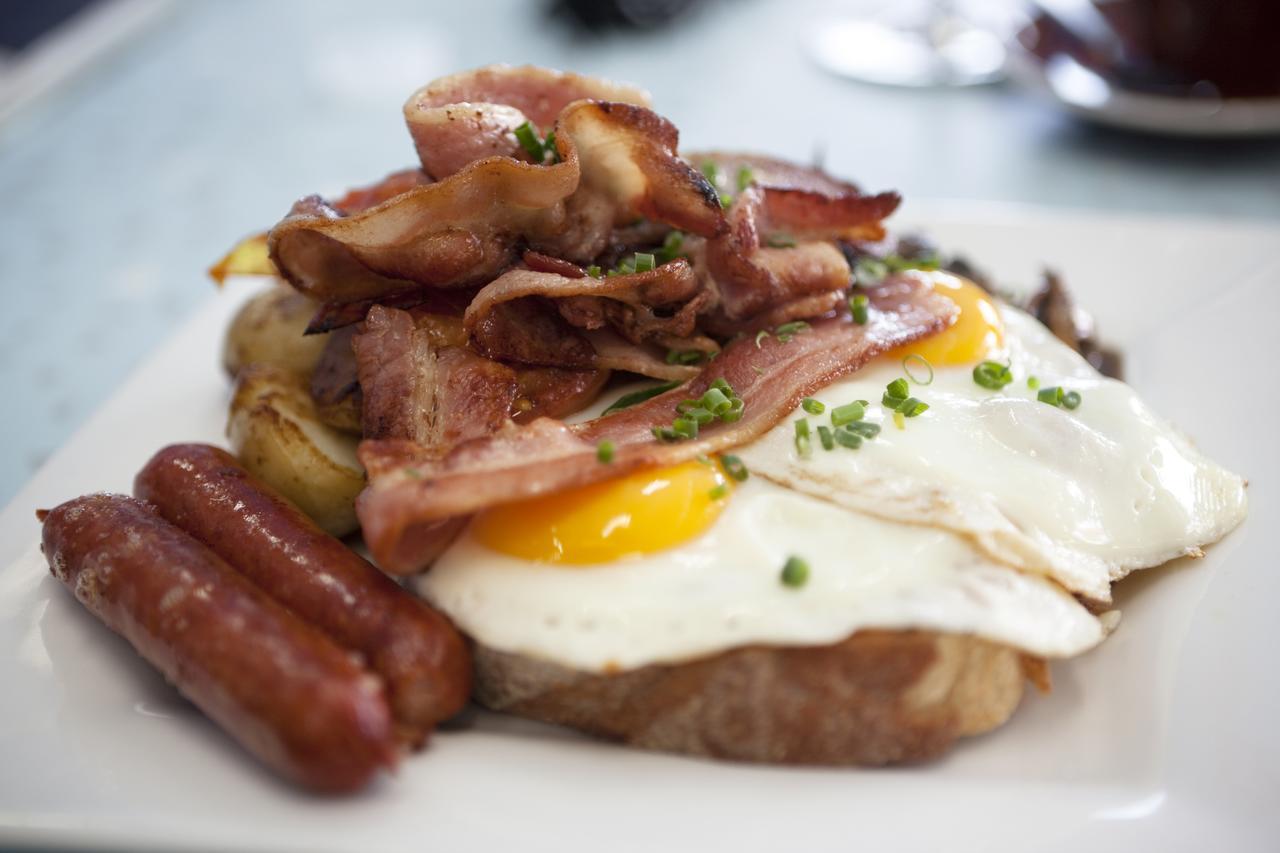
274,430
269,330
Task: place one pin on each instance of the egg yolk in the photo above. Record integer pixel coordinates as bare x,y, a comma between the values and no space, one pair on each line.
638,513
977,333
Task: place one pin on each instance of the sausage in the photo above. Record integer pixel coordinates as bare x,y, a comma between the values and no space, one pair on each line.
286,692
421,657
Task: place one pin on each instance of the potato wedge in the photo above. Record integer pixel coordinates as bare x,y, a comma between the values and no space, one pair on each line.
274,430
269,330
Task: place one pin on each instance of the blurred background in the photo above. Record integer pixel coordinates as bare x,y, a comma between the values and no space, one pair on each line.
139,139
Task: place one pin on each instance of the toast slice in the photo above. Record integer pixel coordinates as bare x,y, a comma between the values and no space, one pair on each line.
878,697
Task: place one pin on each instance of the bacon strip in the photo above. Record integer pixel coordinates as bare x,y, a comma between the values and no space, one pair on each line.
626,302
753,278
462,118
409,488
618,162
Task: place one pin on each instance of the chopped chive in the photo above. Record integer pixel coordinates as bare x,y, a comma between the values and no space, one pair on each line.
858,304
735,411
718,491
1071,400
870,271
549,147
711,172
745,177
787,331
725,201
671,247
644,262
898,388
1033,383
992,375
760,336
824,436
848,413
848,438
716,402
628,400
812,406
685,427
594,271
604,451
898,420
898,263
866,429
781,241
1051,395
703,459
795,572
665,434
721,384
911,407
906,368
700,415
529,141
804,446
734,467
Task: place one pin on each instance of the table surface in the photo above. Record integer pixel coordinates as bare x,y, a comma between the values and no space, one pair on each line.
122,185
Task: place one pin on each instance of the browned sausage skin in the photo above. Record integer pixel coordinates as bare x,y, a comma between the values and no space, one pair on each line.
282,689
422,658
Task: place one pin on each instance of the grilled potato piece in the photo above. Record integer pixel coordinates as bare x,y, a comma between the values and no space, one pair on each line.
276,433
269,330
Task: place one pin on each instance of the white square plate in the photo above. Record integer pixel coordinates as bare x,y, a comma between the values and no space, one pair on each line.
1166,737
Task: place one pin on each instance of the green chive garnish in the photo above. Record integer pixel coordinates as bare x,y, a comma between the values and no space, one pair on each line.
760,336
1033,383
718,491
711,172
848,438
644,262
812,406
866,429
529,141
745,177
604,451
671,247
685,427
898,388
787,331
1051,395
858,304
911,407
1071,400
848,413
992,375
824,436
804,446
628,400
869,271
795,572
734,467
781,241
594,271
906,368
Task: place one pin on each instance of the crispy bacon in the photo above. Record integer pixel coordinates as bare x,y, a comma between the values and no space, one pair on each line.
641,306
617,163
409,488
465,117
754,278
433,395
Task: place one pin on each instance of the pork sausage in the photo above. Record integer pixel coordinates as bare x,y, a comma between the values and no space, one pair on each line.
286,692
416,650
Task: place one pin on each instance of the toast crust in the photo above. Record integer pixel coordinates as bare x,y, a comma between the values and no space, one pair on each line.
878,697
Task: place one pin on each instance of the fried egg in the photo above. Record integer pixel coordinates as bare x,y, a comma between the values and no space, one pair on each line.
982,515
1081,495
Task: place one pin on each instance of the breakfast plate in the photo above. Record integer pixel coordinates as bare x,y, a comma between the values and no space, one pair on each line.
1164,736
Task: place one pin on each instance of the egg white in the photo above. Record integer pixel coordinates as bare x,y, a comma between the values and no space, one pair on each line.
723,589
1081,496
